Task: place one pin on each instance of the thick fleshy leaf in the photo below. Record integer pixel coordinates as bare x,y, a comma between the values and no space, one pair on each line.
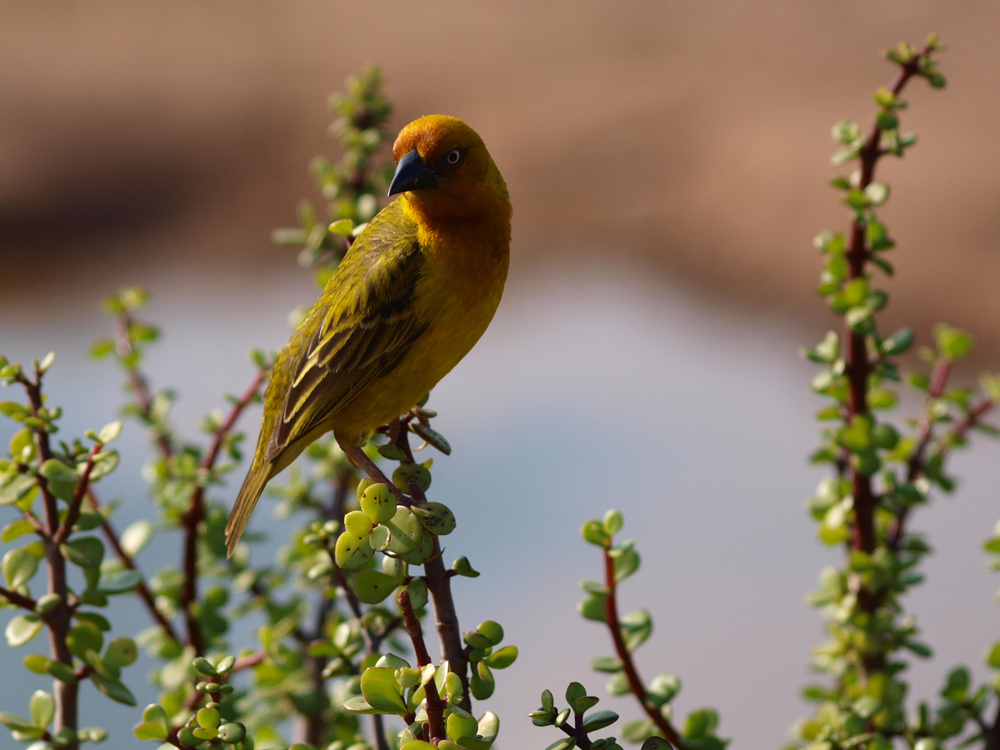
84,637
43,707
381,691
22,629
56,471
378,503
114,689
14,721
626,564
17,488
599,720
154,713
15,529
110,431
433,437
593,608
461,724
104,463
87,551
19,566
373,587
136,536
421,553
503,658
149,730
121,652
636,627
352,551
656,743
489,726
405,532
119,583
359,705
437,518
607,664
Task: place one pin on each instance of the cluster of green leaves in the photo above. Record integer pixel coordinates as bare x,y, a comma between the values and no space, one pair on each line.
393,687
49,491
579,730
352,186
42,707
628,633
881,471
208,725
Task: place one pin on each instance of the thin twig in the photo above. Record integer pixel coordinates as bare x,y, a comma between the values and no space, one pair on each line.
248,662
435,706
858,366
438,581
82,485
578,732
142,588
24,602
57,619
196,514
628,665
137,382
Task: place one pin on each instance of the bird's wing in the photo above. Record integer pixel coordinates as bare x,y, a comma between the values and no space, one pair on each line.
369,324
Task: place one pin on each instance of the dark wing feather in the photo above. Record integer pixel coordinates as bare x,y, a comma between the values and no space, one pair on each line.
369,324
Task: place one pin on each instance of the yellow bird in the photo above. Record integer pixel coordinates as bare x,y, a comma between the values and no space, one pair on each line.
411,297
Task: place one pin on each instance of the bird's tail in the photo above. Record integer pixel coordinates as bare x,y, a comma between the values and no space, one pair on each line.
250,492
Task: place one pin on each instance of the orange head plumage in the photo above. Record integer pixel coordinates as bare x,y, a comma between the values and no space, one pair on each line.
446,174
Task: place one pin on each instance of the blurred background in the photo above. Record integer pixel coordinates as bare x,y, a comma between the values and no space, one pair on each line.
667,163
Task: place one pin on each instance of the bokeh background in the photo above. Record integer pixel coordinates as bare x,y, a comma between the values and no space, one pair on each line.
667,162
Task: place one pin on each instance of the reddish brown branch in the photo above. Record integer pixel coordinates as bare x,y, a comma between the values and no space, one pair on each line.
628,665
858,364
58,619
248,662
438,580
435,706
24,602
925,431
196,514
137,382
142,589
82,486
33,389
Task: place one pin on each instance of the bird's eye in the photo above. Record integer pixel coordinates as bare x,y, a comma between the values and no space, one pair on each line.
454,157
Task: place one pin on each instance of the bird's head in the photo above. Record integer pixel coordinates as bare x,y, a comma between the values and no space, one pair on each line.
445,172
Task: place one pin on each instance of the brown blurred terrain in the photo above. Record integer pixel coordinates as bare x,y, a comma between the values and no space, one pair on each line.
689,136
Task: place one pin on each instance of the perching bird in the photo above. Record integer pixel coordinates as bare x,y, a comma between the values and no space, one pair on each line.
416,290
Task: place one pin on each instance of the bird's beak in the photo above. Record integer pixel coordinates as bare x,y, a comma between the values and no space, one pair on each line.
412,174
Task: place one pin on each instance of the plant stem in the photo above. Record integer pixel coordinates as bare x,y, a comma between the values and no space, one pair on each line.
57,619
858,364
24,602
142,589
309,728
634,681
196,514
73,514
993,737
435,706
438,581
137,382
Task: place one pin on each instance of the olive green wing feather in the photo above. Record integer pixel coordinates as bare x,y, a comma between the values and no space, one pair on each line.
361,327
367,328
